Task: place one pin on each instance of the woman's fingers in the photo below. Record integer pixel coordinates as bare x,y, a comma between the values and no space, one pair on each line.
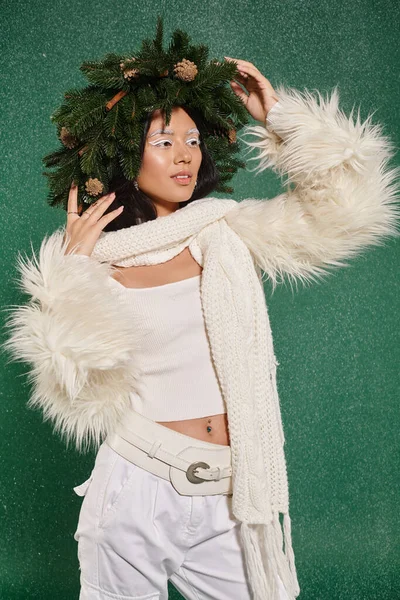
84,231
251,71
97,209
73,198
242,77
101,205
239,91
261,94
240,62
110,216
94,208
246,68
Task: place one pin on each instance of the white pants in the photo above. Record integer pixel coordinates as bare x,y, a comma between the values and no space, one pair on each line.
136,532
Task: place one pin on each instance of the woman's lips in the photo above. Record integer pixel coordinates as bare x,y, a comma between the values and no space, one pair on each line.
182,180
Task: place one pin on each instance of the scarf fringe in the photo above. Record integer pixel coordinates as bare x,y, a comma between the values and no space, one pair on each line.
287,529
265,559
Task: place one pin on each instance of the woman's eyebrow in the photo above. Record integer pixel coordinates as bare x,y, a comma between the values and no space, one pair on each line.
170,132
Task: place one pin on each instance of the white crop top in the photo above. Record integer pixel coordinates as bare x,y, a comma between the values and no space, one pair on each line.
177,378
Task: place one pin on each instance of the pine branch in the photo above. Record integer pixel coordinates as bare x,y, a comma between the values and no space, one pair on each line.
158,42
179,44
87,114
55,158
92,156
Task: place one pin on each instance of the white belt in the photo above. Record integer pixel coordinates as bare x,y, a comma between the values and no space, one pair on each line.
194,467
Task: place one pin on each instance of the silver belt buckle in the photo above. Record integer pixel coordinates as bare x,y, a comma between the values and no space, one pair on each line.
190,472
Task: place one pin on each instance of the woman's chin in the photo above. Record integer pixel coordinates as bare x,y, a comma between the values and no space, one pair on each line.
181,195
172,195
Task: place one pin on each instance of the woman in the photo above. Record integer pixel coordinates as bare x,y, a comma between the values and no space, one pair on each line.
165,157
155,337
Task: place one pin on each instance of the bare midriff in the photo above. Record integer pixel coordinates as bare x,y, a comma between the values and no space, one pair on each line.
213,428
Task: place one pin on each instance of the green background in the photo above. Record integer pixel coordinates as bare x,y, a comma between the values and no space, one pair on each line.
337,342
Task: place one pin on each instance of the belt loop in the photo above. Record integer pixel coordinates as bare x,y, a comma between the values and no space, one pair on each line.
155,447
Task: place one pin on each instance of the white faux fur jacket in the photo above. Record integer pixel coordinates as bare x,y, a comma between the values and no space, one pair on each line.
340,197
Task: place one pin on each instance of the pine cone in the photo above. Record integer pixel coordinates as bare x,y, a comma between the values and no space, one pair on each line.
94,187
185,70
232,136
69,140
129,73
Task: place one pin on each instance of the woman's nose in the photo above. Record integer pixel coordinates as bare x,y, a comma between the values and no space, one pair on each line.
183,152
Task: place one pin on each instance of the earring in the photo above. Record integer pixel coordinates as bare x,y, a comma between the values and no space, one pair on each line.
135,183
195,183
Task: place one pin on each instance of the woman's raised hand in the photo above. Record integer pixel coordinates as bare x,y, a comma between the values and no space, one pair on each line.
262,95
85,230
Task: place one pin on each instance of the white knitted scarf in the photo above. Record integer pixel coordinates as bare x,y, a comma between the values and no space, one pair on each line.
240,337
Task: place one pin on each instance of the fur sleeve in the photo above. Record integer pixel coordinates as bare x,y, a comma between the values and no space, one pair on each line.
340,197
79,339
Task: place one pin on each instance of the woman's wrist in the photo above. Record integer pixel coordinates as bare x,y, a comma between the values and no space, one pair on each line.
271,105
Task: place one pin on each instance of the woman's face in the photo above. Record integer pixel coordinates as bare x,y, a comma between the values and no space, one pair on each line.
167,151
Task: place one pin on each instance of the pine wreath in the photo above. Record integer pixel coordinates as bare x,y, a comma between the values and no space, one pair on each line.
100,125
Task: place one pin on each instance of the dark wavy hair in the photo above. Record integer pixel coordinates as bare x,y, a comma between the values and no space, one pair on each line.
138,207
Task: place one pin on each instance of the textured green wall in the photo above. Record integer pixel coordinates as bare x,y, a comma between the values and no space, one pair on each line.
337,342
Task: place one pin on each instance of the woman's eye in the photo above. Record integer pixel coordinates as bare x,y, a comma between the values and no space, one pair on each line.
161,144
